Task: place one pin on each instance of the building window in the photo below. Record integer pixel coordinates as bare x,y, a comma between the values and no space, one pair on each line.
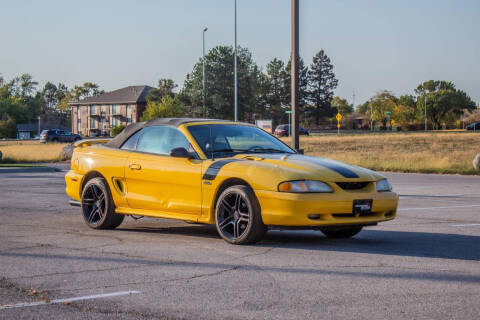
115,122
93,109
79,119
115,109
129,114
93,123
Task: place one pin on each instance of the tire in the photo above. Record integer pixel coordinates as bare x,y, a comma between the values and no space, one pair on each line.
341,232
98,208
237,216
76,139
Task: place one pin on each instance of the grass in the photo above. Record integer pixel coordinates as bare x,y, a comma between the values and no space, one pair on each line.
434,152
402,152
15,152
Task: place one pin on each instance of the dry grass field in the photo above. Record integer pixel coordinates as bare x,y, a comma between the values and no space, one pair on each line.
436,152
404,152
30,151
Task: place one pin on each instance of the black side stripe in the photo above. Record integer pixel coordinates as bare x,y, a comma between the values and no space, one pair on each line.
344,171
215,167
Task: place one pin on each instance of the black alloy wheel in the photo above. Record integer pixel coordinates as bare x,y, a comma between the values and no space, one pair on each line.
237,216
98,208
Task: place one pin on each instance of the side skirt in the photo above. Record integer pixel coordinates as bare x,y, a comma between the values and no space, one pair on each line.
158,214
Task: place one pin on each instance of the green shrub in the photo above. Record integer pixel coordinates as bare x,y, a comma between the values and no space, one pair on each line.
116,130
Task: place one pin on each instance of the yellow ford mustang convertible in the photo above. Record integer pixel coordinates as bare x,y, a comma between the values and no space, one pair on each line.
233,175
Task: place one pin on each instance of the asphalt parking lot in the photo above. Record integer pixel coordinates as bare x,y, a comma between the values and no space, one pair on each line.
423,265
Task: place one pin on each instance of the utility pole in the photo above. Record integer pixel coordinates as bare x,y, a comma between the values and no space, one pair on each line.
294,76
235,66
371,117
353,100
203,67
39,126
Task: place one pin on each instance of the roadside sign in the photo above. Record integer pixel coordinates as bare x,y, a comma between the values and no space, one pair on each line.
338,125
288,111
339,117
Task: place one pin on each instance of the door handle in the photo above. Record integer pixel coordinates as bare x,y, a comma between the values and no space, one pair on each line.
134,166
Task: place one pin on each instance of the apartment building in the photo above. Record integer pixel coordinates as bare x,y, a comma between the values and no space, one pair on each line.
97,115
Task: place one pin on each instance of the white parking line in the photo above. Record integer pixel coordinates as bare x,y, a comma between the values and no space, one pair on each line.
41,303
433,208
466,225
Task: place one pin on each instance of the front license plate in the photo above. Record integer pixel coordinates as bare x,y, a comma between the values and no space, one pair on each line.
362,207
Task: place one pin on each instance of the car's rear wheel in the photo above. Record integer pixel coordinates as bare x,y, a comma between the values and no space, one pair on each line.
237,216
98,208
341,232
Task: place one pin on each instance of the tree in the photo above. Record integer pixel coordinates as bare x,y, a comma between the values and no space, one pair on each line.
219,74
341,105
322,83
61,92
165,87
302,85
168,107
378,106
404,110
8,128
49,93
443,100
27,85
276,94
63,105
88,89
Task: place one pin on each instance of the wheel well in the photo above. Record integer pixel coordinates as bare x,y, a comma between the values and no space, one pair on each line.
90,176
226,184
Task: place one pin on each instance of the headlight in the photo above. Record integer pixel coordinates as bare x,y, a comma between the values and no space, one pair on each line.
304,186
383,185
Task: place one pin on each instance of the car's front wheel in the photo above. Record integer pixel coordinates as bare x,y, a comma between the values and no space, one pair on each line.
98,208
341,232
237,216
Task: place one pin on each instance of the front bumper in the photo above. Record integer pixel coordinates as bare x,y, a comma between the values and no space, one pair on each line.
328,209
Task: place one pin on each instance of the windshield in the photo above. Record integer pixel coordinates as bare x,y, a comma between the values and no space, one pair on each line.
223,140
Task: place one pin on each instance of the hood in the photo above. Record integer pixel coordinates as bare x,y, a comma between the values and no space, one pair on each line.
296,166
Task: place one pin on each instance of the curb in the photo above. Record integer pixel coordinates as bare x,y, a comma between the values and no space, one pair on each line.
28,169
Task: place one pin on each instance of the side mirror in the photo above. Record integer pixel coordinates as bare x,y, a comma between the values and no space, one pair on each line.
180,153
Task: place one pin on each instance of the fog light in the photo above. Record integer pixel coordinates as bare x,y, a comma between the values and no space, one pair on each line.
314,216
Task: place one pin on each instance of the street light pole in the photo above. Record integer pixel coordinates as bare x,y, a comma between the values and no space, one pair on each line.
425,111
235,67
203,67
294,76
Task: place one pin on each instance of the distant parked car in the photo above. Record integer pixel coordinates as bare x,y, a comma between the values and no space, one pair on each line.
474,126
57,135
283,130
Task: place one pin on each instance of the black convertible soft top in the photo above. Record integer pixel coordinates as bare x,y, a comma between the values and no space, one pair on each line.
120,139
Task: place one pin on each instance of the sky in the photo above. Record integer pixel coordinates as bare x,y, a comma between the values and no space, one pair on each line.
374,44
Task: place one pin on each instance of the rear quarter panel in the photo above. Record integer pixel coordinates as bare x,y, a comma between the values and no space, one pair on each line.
108,162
